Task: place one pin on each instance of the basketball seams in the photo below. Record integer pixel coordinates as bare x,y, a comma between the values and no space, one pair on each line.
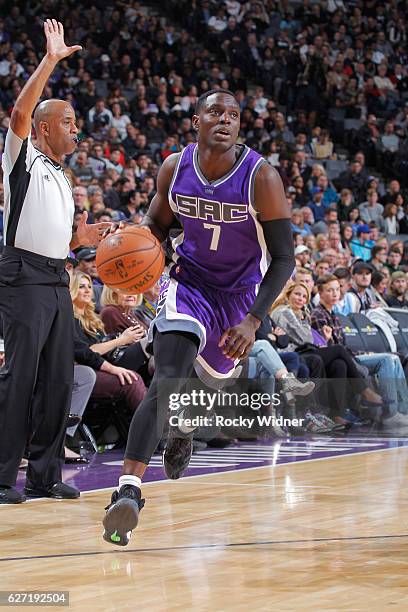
105,261
132,279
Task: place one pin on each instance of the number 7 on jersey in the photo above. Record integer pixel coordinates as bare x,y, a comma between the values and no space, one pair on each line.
216,235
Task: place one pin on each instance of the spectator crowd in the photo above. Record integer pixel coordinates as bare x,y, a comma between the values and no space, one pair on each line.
323,90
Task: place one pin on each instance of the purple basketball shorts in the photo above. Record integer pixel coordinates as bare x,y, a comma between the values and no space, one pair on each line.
207,313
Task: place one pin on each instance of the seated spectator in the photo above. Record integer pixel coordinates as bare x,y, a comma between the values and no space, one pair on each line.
344,305
394,189
117,160
310,242
330,216
378,256
316,204
322,243
86,258
387,367
394,260
317,171
388,145
80,198
98,162
99,118
372,210
95,198
396,297
307,215
354,180
345,204
113,380
305,276
390,222
119,120
323,147
346,236
359,293
133,205
379,287
362,245
272,153
82,169
288,313
330,195
302,255
298,225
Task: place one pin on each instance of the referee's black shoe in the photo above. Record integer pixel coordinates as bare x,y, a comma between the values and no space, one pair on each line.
10,495
59,490
122,515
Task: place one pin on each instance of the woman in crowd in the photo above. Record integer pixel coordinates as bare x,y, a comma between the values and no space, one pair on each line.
317,171
322,244
346,233
119,312
289,313
115,361
391,225
298,224
301,197
379,286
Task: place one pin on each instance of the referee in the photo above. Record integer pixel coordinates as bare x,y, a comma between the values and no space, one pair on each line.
36,379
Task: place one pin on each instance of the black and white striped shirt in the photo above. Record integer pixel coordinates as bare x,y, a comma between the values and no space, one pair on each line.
38,202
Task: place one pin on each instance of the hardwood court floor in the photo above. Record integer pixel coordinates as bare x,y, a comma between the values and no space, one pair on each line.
322,535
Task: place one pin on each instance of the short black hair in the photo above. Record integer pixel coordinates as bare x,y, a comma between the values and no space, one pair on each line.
377,249
201,100
340,273
376,278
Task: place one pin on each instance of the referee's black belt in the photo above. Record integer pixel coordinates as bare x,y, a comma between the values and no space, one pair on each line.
56,264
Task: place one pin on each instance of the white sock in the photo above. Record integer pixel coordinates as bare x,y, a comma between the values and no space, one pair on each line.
130,480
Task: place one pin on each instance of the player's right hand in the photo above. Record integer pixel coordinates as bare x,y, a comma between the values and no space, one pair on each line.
126,377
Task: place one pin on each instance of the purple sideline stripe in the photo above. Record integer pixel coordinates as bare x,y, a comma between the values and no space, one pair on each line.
105,469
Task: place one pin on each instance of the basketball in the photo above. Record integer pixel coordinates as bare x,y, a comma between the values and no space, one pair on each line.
130,260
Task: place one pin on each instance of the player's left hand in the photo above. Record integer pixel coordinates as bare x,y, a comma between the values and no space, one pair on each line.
92,234
236,342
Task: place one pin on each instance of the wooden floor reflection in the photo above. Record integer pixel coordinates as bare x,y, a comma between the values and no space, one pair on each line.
319,535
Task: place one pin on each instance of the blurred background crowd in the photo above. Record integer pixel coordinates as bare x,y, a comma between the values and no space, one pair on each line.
323,90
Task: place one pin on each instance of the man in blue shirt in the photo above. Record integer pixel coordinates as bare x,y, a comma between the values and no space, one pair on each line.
361,246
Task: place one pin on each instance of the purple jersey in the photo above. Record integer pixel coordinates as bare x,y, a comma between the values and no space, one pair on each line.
222,243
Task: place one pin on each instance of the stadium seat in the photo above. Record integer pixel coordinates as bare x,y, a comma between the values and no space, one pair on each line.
401,337
353,339
352,124
334,167
372,337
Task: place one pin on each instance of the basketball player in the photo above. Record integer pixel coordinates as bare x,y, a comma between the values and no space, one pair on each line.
232,208
36,380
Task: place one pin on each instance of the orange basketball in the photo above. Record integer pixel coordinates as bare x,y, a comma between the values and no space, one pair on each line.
131,260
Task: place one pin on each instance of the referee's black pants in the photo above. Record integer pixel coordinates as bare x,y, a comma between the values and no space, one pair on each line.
36,379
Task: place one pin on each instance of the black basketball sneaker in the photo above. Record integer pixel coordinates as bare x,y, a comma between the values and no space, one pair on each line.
122,515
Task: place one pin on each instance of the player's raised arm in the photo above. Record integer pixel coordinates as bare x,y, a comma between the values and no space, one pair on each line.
274,216
159,218
20,121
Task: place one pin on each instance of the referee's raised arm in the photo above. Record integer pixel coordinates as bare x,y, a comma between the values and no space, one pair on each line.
20,121
35,303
